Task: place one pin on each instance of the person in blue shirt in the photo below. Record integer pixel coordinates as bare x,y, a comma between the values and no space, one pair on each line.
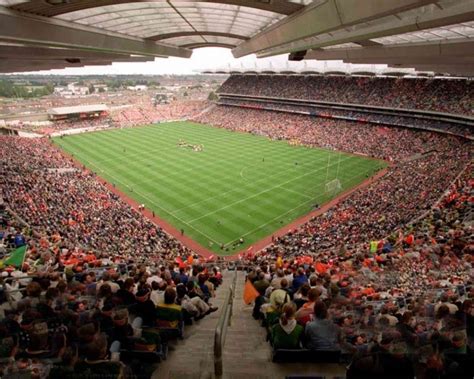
299,279
183,278
19,240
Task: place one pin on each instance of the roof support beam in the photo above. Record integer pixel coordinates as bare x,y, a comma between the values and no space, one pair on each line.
161,37
456,69
18,28
446,49
45,9
427,17
323,17
414,60
23,65
44,53
207,44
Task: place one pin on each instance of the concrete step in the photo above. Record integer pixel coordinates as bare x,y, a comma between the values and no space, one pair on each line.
193,357
246,353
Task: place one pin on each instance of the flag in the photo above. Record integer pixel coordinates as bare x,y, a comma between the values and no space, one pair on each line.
16,258
180,262
190,260
321,268
250,293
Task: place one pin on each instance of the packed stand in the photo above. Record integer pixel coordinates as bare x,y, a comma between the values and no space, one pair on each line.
440,95
147,113
423,163
88,284
398,307
324,111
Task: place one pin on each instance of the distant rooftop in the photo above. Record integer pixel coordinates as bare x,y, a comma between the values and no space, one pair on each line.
78,109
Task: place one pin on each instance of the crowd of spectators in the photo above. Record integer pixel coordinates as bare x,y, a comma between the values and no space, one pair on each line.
403,307
324,111
382,277
362,138
147,113
101,278
61,201
139,113
441,95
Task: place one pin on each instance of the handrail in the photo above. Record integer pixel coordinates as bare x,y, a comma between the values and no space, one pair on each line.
221,328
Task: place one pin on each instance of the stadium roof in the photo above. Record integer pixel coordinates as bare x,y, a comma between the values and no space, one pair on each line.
425,34
77,109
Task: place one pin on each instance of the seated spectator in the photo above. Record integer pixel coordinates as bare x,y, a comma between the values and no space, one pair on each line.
169,314
287,334
126,293
322,333
144,307
261,284
96,364
299,279
306,312
301,296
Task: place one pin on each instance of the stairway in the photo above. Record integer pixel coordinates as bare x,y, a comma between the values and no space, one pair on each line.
193,357
246,353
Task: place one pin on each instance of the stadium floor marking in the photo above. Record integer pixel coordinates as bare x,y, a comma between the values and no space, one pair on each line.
174,213
156,204
213,163
296,192
270,221
128,156
209,238
291,210
234,189
261,192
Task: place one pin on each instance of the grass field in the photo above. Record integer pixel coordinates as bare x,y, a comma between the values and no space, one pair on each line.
239,186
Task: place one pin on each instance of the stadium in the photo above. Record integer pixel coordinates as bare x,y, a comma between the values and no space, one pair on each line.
310,220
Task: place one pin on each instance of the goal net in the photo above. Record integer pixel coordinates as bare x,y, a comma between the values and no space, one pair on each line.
333,186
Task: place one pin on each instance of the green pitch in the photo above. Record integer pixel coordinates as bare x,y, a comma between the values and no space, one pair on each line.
238,186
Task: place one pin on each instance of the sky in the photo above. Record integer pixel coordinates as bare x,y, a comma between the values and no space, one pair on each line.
209,58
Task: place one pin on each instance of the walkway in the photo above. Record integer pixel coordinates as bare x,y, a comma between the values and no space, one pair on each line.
193,357
246,353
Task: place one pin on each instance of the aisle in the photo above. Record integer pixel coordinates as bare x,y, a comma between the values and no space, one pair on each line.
193,357
248,355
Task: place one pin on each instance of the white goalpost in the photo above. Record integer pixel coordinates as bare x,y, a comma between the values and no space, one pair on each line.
333,186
